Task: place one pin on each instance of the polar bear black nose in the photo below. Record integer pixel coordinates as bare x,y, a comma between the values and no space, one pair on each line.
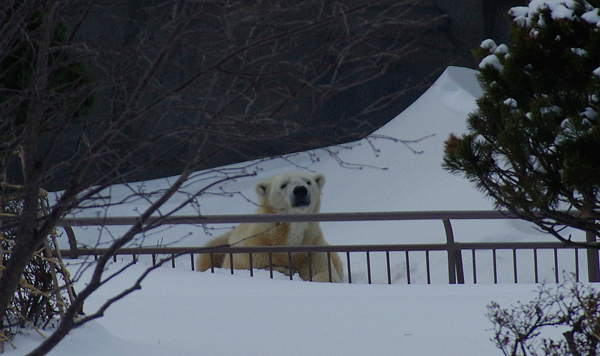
300,191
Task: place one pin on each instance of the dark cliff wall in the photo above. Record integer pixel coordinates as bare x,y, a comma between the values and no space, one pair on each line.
458,27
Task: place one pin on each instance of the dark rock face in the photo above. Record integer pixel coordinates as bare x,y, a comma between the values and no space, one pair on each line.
448,32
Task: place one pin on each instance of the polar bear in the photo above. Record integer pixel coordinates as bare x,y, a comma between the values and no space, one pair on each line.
286,193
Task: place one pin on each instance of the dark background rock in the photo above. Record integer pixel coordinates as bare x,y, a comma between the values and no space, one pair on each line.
443,42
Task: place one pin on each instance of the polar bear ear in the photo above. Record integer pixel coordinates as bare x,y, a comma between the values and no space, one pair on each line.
262,189
320,179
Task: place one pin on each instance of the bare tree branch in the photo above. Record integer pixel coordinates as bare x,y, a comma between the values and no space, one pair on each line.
256,74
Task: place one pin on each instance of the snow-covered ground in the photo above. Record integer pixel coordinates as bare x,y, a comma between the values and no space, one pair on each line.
180,312
188,313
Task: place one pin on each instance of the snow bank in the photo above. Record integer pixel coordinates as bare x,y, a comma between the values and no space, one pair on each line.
187,313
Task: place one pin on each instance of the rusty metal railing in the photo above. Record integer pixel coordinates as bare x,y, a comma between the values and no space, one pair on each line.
453,249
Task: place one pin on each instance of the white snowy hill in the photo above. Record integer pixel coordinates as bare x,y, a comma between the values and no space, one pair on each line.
180,312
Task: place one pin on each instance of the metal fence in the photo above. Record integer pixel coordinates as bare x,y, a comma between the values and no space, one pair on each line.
456,252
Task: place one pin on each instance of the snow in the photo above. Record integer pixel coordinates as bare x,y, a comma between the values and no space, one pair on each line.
558,6
510,102
496,51
188,313
489,44
491,60
592,16
501,49
580,52
589,113
519,11
562,12
180,312
559,10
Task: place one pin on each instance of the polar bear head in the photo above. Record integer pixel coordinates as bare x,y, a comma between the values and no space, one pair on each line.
291,192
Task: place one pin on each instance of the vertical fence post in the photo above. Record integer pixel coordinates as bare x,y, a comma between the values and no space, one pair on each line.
592,258
455,265
72,241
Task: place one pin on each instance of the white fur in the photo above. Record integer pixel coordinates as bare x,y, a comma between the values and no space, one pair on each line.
286,193
296,233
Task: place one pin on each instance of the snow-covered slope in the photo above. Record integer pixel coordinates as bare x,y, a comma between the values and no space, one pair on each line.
181,313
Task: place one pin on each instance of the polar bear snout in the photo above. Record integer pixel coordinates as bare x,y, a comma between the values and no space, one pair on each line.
300,191
300,197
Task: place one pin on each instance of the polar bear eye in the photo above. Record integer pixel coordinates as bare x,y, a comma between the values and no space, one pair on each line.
284,185
307,182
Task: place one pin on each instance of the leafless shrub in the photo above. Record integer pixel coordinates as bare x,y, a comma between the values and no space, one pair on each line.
570,308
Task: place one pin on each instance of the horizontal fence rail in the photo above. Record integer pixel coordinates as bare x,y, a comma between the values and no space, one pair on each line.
321,217
453,249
